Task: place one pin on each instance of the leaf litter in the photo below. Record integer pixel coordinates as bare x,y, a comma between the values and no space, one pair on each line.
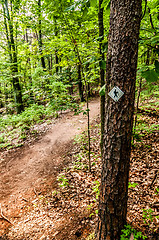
67,208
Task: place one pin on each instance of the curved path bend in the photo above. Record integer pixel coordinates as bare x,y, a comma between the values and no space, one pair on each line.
21,169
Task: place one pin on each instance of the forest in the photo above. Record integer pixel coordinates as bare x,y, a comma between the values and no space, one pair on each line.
59,62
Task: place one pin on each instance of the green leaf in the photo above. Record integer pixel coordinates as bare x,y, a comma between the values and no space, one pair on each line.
102,64
72,7
102,91
104,47
91,60
85,11
155,40
99,38
132,185
150,75
93,3
105,4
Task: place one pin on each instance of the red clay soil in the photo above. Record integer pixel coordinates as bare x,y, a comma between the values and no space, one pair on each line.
29,170
48,193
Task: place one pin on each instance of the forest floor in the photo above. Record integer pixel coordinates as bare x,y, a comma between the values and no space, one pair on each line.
48,193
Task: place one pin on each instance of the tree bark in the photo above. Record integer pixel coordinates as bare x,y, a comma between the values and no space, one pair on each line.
40,37
56,51
13,57
1,98
80,84
125,17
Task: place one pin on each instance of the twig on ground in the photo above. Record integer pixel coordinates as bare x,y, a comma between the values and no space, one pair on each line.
35,191
24,199
3,217
154,178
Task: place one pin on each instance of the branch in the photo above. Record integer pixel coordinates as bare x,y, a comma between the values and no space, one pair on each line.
3,217
144,10
154,178
152,25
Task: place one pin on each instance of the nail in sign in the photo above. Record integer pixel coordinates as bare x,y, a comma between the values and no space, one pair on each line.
116,94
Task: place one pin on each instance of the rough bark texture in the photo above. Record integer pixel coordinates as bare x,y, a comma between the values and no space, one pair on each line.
122,54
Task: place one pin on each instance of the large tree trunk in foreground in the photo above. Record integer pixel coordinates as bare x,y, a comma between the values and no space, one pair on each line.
125,19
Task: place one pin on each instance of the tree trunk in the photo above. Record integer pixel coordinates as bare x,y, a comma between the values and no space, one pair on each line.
102,71
56,51
1,98
80,84
56,61
13,57
70,81
125,17
137,108
40,37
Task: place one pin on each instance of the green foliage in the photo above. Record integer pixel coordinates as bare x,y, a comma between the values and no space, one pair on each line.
81,139
157,191
102,91
143,127
150,75
97,192
96,189
91,237
60,99
106,4
56,99
127,231
103,64
147,216
63,181
132,185
157,66
15,127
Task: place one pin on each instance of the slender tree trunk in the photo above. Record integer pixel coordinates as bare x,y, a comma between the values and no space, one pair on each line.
56,51
13,57
151,22
88,130
40,37
1,98
5,98
79,70
125,17
102,71
148,57
56,61
51,62
70,81
80,84
137,107
7,33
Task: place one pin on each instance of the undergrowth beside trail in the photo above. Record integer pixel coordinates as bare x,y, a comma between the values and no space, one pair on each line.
14,129
74,201
67,208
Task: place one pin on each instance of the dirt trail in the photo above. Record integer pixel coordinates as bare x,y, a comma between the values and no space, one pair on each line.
29,165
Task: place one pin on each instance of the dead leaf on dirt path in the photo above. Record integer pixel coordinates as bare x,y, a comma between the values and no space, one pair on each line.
132,237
